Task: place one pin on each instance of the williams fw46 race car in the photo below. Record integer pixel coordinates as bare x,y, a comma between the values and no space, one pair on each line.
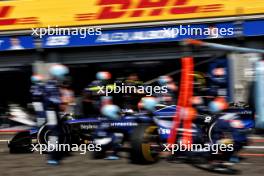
145,135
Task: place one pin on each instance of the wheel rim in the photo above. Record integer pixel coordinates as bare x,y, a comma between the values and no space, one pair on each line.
151,147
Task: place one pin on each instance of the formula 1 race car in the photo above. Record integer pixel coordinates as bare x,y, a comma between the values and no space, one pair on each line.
144,134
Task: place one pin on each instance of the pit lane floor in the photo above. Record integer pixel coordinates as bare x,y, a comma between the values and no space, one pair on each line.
83,165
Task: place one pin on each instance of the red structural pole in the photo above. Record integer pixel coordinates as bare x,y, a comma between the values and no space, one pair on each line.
184,111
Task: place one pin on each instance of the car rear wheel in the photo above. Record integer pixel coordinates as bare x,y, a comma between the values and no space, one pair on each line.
145,146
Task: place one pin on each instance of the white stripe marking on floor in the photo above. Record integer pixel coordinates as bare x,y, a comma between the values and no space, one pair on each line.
254,147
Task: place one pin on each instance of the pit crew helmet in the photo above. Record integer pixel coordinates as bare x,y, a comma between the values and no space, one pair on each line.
103,75
111,111
58,70
217,105
37,78
148,103
163,80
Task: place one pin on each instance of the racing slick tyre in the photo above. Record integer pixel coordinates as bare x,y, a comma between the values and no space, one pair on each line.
145,146
215,134
21,143
44,132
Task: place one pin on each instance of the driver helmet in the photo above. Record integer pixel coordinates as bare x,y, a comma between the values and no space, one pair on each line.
111,111
103,75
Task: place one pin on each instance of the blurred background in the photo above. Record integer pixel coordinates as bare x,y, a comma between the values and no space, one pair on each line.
131,41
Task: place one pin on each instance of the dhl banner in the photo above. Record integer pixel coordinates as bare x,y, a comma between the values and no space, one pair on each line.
26,14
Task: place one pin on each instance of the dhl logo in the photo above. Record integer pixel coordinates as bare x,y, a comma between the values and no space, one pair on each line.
5,13
112,9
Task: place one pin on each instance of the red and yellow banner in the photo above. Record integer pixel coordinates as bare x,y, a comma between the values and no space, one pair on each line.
26,14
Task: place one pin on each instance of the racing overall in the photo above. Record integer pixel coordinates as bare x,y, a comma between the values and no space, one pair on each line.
107,138
67,98
37,92
233,126
52,108
131,99
170,96
95,95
